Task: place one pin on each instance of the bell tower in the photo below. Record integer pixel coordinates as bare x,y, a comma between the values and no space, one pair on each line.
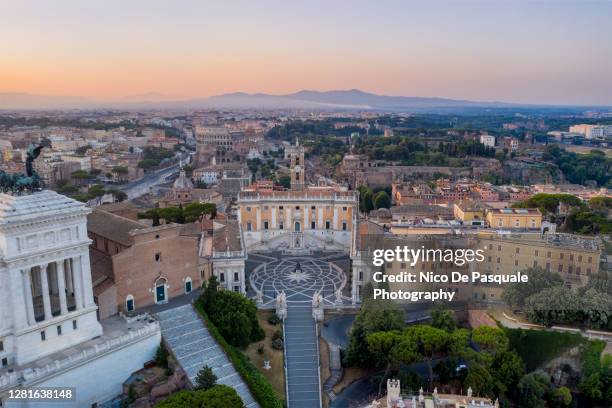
297,167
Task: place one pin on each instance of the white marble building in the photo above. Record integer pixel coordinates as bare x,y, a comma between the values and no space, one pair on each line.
49,331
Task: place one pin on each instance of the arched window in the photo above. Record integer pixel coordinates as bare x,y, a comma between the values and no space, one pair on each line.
188,285
129,303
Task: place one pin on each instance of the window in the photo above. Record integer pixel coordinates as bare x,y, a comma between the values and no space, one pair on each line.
74,325
157,236
158,257
1,345
280,225
561,255
280,207
236,278
188,285
59,330
327,225
266,225
578,270
313,225
590,259
297,227
560,268
236,288
588,271
360,275
297,207
222,277
249,226
344,226
343,208
536,252
548,254
518,250
4,362
571,257
129,303
249,209
313,208
43,335
570,269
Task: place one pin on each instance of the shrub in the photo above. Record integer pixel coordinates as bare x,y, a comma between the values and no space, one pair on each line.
258,385
278,344
206,379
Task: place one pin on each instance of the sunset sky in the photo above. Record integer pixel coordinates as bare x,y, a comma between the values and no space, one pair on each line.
516,51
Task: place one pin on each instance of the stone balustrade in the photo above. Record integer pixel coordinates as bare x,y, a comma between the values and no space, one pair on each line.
29,375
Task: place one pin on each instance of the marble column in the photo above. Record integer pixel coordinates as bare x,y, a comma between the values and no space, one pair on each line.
45,291
18,312
69,277
85,271
27,291
78,283
61,286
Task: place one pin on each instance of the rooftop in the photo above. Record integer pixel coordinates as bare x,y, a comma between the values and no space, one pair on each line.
37,206
111,226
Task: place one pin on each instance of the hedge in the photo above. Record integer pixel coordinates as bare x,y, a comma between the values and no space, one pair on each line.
261,389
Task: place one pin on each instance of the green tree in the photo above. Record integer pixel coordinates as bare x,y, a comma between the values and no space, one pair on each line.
480,379
382,200
558,304
374,316
562,396
507,370
591,386
443,318
491,340
429,342
219,396
233,314
285,181
538,279
205,379
194,211
532,389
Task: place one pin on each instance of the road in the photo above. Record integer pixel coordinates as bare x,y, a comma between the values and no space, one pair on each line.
142,186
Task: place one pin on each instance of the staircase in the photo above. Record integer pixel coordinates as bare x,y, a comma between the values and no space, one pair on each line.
193,346
302,357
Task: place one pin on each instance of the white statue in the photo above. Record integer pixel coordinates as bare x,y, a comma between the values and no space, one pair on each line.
339,296
281,305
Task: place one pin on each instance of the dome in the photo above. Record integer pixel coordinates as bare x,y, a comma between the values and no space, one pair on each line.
183,182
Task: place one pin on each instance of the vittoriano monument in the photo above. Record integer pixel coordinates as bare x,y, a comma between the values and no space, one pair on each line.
18,183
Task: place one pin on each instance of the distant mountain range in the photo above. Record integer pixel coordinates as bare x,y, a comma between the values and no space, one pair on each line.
353,99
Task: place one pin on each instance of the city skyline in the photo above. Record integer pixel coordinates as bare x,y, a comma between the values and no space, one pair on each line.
517,52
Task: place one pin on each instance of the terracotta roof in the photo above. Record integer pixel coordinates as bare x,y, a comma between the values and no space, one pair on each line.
113,207
226,236
368,232
111,226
